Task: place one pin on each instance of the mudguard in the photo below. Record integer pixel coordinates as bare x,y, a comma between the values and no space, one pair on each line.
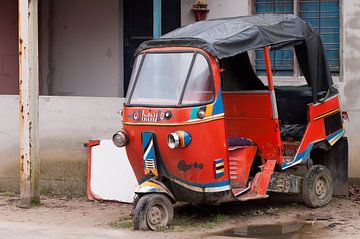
336,159
154,186
338,164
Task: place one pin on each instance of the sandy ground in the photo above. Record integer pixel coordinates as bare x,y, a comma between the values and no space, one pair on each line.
80,218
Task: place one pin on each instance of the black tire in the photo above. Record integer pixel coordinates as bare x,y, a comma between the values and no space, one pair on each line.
317,187
152,212
136,200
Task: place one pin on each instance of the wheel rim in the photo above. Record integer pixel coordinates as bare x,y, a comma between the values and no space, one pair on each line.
321,187
157,216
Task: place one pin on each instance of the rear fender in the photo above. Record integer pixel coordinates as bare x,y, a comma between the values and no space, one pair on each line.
336,159
154,186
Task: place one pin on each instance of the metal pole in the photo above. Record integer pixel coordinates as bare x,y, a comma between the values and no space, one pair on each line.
270,82
29,102
157,19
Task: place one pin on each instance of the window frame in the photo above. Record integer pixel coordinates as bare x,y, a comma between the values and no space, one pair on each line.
297,78
128,98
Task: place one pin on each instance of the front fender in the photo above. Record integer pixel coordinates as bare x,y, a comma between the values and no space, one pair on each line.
154,186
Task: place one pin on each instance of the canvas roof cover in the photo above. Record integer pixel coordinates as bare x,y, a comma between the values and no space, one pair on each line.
228,37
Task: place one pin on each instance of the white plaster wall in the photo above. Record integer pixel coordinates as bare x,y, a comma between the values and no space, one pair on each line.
218,9
66,123
350,87
82,48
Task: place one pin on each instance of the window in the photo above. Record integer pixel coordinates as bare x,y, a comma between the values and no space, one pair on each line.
199,88
170,79
323,15
282,61
160,78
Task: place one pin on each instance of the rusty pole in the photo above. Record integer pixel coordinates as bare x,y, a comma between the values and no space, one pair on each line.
29,102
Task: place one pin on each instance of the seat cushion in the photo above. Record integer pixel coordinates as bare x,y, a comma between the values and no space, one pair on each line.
239,141
292,131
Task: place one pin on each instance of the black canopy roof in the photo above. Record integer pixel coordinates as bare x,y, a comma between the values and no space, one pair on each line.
228,37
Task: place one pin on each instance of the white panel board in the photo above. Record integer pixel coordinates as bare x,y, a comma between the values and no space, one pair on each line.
112,177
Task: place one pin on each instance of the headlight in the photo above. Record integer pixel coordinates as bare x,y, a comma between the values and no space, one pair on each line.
173,141
178,139
120,138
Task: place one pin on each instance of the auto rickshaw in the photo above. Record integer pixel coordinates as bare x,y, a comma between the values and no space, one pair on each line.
200,126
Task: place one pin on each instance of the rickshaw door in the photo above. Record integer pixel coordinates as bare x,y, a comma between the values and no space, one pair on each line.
249,115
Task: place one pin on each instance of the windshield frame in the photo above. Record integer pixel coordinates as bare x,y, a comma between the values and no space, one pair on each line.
179,104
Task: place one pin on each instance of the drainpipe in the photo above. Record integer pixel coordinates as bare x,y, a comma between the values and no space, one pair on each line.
29,102
157,18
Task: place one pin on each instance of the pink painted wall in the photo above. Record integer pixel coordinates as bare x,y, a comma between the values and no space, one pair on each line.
8,48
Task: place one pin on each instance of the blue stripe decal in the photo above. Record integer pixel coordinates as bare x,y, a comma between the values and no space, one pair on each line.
149,153
338,134
206,185
218,161
146,137
301,157
304,156
153,190
194,111
218,175
218,106
219,168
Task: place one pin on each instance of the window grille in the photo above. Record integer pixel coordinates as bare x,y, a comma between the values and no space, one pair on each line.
323,15
282,61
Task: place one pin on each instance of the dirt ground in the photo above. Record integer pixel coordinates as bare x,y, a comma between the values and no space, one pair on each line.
275,217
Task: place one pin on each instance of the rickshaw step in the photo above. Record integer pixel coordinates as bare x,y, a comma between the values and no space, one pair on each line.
261,182
238,191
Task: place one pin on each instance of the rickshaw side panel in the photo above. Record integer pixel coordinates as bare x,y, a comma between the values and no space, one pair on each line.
249,115
322,126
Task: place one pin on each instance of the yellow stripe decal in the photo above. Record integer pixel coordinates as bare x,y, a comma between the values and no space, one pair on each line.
336,138
174,124
209,110
326,114
219,164
151,184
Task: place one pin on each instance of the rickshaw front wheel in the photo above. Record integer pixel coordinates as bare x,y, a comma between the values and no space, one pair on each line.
152,212
317,186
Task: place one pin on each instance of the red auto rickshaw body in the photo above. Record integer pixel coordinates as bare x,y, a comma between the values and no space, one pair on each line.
200,126
248,115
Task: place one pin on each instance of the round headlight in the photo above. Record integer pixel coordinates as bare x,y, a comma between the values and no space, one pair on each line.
120,138
173,141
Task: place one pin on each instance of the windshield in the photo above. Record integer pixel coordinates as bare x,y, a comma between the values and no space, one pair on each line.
170,79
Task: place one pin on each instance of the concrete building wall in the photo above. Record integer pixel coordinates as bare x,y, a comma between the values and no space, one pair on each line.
350,86
218,8
66,123
81,48
8,47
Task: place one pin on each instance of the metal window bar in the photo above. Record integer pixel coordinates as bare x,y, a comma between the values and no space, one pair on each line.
282,61
324,15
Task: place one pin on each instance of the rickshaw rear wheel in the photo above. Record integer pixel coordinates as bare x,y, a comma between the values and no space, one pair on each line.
152,212
317,186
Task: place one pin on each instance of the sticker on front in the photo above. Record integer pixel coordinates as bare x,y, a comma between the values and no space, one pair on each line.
219,168
150,166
